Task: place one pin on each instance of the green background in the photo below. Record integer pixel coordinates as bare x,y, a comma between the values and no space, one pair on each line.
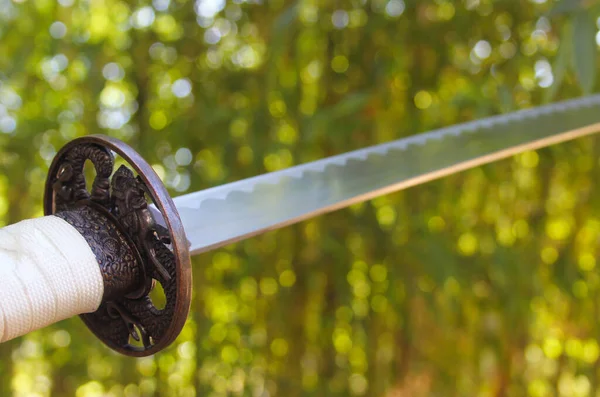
482,283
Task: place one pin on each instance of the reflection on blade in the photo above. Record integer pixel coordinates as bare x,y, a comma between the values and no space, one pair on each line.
231,212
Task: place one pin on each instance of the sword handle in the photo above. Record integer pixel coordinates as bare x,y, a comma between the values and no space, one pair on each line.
98,253
48,273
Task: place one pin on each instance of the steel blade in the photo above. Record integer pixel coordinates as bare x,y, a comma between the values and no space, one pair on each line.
221,215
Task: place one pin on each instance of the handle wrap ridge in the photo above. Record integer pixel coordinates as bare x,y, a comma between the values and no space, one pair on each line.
47,273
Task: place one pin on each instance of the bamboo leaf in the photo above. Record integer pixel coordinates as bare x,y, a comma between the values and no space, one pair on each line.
561,62
346,106
567,6
584,49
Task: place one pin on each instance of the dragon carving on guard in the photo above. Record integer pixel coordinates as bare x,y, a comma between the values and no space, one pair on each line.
128,202
122,195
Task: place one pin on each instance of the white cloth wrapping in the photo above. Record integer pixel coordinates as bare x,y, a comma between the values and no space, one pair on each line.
47,273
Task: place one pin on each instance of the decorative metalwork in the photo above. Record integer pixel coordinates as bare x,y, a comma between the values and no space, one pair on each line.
130,206
134,252
115,253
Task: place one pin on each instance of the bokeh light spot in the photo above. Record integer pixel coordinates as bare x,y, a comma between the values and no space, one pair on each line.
549,255
339,64
181,88
287,278
552,348
423,99
143,17
268,286
482,49
58,30
340,19
467,244
113,72
279,347
395,8
586,261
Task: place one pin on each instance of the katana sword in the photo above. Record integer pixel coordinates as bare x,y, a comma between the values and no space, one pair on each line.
98,253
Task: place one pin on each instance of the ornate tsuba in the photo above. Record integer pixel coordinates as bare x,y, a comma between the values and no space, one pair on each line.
133,250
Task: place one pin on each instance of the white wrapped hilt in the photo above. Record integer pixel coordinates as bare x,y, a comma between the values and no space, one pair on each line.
47,273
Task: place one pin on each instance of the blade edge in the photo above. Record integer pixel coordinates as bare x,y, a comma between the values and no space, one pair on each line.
189,205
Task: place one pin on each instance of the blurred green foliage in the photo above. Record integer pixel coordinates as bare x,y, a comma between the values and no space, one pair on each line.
482,283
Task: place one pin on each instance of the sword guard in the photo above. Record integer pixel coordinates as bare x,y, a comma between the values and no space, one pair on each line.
134,249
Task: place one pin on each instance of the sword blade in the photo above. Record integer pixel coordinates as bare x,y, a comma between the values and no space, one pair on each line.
225,214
